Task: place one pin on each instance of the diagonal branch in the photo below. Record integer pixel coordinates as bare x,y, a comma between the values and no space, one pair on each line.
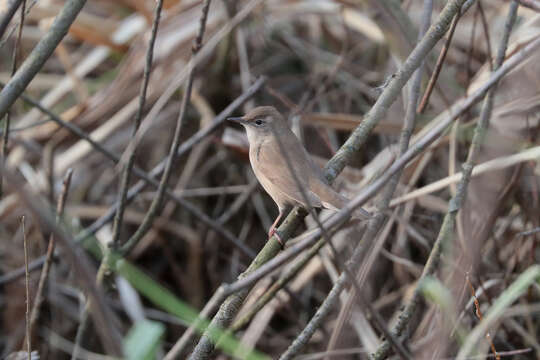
43,50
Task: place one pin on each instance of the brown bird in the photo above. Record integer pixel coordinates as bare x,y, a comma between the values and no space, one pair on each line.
263,124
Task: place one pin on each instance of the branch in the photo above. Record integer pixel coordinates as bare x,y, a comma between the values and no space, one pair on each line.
43,50
50,252
156,205
126,171
531,4
7,15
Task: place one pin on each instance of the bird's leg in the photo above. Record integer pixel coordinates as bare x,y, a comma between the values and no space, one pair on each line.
273,231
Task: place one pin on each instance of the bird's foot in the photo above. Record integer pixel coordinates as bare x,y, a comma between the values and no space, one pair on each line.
272,232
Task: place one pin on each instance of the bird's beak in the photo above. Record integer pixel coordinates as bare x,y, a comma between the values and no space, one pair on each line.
239,120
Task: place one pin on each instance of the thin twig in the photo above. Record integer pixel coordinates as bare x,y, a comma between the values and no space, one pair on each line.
528,232
438,66
126,171
478,313
470,48
50,252
485,28
16,24
85,321
156,205
79,261
27,286
243,62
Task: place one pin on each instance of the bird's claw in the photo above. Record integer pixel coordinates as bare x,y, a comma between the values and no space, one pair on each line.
273,232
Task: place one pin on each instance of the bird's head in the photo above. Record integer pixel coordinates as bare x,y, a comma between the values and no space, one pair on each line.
261,121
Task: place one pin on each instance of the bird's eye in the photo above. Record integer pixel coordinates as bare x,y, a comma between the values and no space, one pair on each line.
258,122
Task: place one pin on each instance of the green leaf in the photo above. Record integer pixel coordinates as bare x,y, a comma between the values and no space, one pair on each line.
143,340
167,301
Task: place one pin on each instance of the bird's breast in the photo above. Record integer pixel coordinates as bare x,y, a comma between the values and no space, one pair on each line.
255,154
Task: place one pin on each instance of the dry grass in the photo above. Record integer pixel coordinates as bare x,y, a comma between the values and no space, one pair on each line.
325,64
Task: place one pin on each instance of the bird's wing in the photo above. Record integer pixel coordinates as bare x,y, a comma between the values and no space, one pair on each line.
272,171
331,199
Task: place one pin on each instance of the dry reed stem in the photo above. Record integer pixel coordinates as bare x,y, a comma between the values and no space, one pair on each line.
39,297
27,289
79,261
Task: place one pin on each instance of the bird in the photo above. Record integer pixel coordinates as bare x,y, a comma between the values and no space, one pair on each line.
266,130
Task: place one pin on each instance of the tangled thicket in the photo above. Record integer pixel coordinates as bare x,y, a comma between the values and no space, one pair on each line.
323,64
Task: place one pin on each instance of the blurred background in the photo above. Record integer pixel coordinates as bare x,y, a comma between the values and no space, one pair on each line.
324,65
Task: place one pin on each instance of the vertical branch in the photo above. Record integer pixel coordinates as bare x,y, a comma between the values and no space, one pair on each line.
485,29
50,252
126,171
155,207
27,286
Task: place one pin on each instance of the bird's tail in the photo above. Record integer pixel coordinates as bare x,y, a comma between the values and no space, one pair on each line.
331,199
